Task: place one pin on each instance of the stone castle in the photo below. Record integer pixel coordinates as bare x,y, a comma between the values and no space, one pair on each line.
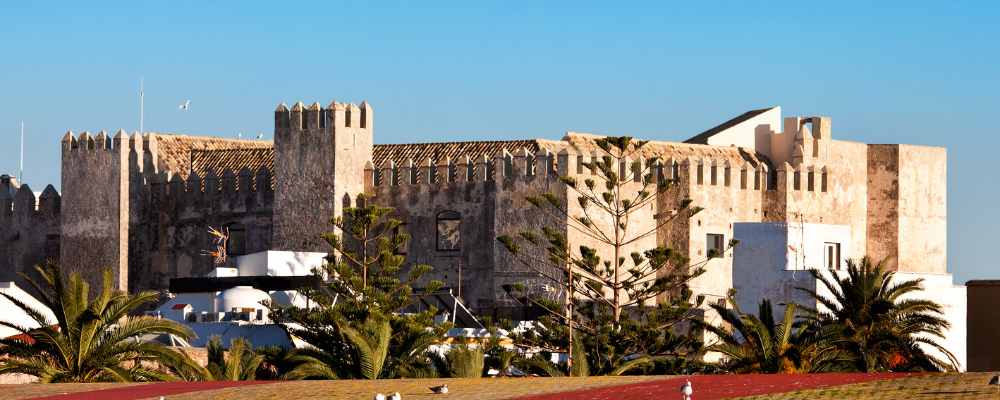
141,203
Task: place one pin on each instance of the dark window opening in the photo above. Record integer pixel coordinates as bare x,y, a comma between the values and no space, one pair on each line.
449,231
715,245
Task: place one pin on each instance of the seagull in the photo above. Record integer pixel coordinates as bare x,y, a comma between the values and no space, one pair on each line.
687,390
443,389
260,135
379,396
239,135
185,106
995,382
396,396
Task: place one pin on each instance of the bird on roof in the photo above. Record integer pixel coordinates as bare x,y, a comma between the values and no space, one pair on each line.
686,390
995,382
396,396
443,389
185,105
379,396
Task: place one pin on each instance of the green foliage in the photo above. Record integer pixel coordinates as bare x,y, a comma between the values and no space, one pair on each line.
357,328
240,365
91,340
880,323
463,360
759,343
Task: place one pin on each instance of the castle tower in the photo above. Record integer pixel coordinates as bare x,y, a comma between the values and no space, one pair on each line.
320,156
95,206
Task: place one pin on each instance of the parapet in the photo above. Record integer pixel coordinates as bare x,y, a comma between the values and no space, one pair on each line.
99,142
243,189
22,205
336,115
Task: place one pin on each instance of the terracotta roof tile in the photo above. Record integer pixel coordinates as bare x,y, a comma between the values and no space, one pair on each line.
438,151
175,151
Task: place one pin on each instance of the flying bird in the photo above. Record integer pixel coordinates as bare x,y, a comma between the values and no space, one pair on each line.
260,135
396,396
379,396
443,389
185,106
686,390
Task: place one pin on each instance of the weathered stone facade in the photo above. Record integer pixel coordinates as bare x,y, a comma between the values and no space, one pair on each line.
141,204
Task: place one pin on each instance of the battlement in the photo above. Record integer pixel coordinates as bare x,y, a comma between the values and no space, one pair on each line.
505,166
99,142
336,115
231,190
22,205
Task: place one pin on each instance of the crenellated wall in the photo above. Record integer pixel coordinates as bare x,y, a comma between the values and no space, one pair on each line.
95,206
178,213
320,155
29,228
488,197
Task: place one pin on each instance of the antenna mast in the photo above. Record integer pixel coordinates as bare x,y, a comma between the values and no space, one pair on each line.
20,165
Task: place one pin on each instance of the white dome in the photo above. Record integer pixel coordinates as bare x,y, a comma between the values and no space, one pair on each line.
240,297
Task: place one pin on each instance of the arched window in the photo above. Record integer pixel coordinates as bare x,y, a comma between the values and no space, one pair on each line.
237,245
449,231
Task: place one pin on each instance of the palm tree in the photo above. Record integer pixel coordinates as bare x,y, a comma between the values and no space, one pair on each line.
240,365
351,349
91,340
881,325
759,343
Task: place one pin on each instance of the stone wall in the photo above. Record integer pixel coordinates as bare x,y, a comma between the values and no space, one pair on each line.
489,200
29,229
320,156
95,206
178,213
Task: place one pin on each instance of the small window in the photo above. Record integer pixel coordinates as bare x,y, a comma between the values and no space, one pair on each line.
831,255
714,173
822,182
811,181
797,180
743,178
701,173
237,245
449,231
756,179
716,245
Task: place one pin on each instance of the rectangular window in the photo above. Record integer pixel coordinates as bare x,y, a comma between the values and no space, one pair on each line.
714,173
831,255
743,178
725,176
701,170
822,182
715,245
237,245
811,181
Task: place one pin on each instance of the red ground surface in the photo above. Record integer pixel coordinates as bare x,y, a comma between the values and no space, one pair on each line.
709,387
149,390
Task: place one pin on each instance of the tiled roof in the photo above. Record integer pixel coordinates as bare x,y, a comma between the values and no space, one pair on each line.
175,152
232,159
419,152
186,154
586,144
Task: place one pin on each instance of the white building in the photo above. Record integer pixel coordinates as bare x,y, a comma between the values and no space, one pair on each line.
232,302
773,259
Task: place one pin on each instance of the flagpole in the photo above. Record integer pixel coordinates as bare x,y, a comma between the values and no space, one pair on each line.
20,164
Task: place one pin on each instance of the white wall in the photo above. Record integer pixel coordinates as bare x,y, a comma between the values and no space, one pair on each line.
13,314
279,263
764,266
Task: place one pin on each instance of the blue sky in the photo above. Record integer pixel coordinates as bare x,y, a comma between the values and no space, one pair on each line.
895,72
